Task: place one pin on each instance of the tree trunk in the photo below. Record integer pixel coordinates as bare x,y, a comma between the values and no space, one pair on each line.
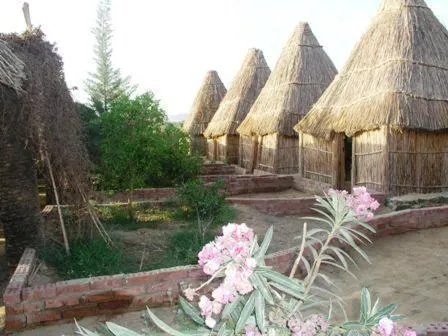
19,198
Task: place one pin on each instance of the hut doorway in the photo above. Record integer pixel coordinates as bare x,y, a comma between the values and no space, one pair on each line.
347,171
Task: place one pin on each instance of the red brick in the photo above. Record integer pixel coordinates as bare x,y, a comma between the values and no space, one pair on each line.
98,297
114,305
142,278
161,286
107,282
48,315
31,307
62,302
79,312
15,322
14,309
11,296
154,300
39,292
72,286
125,293
437,329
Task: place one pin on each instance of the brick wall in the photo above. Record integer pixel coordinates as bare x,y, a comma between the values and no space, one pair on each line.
217,169
30,306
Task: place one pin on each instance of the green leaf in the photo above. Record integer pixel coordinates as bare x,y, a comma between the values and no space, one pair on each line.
246,313
366,305
262,285
191,311
230,307
260,310
290,291
120,331
383,312
280,279
265,245
83,331
166,328
223,330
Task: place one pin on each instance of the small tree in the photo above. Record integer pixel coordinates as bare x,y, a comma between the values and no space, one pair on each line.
106,84
140,149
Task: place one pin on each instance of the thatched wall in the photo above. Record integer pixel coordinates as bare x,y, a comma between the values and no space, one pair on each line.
246,152
369,160
418,162
224,149
316,157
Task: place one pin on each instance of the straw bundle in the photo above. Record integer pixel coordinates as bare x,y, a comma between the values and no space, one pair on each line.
11,68
300,76
205,104
397,75
244,89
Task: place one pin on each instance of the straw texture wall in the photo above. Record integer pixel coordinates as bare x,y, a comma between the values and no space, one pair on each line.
392,97
301,75
207,101
243,91
11,68
316,159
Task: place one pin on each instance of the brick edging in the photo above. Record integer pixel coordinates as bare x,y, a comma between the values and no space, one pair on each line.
30,306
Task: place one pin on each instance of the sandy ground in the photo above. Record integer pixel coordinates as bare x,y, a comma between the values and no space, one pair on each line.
410,269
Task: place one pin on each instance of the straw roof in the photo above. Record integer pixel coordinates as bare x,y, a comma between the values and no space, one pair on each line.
11,68
245,88
301,75
205,104
397,75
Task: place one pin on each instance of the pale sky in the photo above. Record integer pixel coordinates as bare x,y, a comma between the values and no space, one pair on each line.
167,46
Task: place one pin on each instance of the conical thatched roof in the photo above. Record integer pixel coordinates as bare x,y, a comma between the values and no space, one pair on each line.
11,68
205,104
301,75
244,89
397,75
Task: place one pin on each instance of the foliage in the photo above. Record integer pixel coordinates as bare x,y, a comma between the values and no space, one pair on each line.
89,257
204,203
91,132
140,149
106,84
254,300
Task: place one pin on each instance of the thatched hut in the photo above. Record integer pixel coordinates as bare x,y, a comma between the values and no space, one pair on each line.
383,123
204,108
302,73
222,138
39,130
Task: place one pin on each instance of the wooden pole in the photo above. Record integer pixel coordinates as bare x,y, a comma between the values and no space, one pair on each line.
56,196
27,15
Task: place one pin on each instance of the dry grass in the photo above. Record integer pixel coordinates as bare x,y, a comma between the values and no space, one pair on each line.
11,68
300,76
205,104
397,76
245,88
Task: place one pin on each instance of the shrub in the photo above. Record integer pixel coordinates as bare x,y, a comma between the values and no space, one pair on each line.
139,148
205,204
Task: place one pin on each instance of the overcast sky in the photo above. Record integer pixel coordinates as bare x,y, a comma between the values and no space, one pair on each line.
167,46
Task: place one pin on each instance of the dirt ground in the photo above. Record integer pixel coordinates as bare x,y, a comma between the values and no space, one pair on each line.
409,269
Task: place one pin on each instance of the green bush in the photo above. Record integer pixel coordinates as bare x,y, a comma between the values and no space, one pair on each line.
204,204
91,133
139,148
88,257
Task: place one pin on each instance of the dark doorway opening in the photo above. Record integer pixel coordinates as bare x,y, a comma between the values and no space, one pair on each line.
348,151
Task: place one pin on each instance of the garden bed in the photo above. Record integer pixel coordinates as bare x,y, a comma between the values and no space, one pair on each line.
28,306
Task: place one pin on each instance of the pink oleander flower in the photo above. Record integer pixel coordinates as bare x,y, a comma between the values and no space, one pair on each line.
360,201
210,322
252,330
310,327
206,306
211,267
223,294
251,263
208,252
217,307
244,286
385,327
189,293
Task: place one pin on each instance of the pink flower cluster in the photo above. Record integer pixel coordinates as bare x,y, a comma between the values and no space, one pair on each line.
231,255
252,330
360,201
387,327
310,327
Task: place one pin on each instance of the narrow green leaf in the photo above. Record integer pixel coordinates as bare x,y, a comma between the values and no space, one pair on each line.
265,244
83,331
376,306
383,312
230,307
223,330
294,292
166,328
280,279
191,311
262,285
349,240
340,267
246,313
260,311
366,304
120,331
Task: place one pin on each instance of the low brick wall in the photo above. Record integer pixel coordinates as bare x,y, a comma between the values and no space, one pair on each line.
305,184
30,306
286,206
217,169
